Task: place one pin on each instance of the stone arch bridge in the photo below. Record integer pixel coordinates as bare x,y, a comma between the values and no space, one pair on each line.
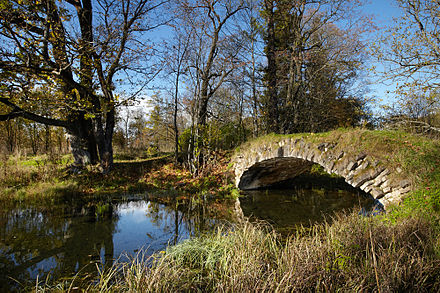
269,161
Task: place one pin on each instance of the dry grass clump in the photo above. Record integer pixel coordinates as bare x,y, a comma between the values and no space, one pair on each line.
17,171
356,254
351,254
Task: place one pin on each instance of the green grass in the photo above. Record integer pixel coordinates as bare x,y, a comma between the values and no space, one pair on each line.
35,179
43,180
352,254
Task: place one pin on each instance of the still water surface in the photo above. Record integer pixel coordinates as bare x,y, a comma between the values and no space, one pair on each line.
64,241
35,242
286,209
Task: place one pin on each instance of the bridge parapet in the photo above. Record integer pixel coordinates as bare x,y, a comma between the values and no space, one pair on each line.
265,163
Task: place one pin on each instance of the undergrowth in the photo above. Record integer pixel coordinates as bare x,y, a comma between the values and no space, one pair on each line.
43,180
215,181
352,254
35,179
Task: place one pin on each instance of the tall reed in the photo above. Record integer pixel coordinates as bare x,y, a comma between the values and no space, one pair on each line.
351,254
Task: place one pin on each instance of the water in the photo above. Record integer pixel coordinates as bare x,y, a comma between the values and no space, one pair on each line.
285,209
64,240
61,242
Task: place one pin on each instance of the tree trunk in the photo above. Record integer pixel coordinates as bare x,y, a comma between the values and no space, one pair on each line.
47,142
254,92
271,71
82,141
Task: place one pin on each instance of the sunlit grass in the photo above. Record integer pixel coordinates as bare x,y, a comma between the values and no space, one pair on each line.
45,178
352,254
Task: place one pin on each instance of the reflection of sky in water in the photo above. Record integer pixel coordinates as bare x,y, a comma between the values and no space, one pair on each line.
136,230
34,243
43,267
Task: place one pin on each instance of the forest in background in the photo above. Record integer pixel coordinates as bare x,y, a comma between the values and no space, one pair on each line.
198,77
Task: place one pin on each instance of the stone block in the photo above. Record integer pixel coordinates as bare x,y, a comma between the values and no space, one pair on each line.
381,178
362,165
350,175
368,188
386,184
366,184
331,165
280,152
322,146
392,198
365,175
404,183
340,168
405,190
361,156
377,193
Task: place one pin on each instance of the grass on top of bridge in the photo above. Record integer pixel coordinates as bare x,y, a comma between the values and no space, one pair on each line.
417,156
391,146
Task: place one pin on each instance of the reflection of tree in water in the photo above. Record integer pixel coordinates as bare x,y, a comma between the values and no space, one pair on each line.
31,237
181,217
290,207
67,240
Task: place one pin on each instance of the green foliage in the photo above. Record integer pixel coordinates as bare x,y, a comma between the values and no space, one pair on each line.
185,139
216,136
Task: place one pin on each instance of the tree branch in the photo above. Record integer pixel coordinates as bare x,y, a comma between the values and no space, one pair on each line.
19,112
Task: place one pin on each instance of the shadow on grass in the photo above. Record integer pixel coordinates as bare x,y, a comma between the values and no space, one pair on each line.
140,166
125,178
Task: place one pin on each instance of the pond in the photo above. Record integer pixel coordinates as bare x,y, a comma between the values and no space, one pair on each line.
73,238
64,240
286,209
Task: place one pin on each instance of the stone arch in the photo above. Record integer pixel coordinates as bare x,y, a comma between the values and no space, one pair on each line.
265,162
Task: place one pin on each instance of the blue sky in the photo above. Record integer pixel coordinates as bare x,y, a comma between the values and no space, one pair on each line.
383,12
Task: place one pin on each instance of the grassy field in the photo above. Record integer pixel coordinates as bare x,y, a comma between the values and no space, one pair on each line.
43,180
395,252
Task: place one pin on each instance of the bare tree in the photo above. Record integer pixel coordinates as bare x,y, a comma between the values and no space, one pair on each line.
214,54
178,66
410,48
80,48
409,51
